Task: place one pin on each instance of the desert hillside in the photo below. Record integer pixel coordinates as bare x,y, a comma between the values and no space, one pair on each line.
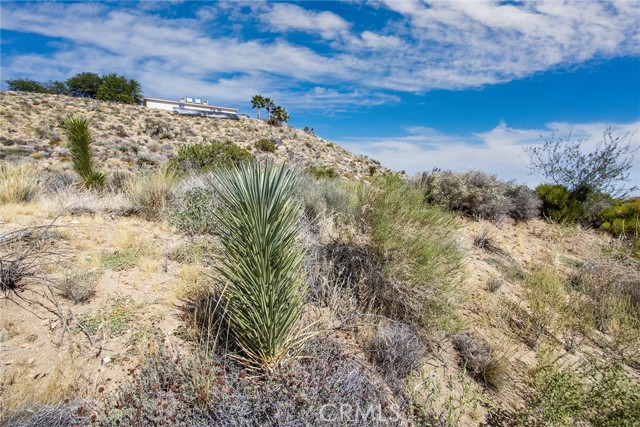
411,314
134,137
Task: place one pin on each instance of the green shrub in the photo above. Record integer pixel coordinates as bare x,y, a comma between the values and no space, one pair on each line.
202,158
623,218
594,394
558,205
79,144
194,214
322,172
415,242
478,194
265,145
261,263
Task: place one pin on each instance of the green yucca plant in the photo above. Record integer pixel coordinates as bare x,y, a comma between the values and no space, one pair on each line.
79,143
261,263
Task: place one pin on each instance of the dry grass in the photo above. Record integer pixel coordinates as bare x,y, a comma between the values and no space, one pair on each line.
18,182
78,286
152,194
481,360
21,390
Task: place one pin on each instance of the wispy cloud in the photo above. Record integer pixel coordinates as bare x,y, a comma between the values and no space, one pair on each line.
418,46
499,150
284,17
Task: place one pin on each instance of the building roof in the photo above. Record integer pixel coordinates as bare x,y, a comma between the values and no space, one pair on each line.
191,104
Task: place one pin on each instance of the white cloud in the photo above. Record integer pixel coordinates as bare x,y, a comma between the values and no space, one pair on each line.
499,151
285,16
424,46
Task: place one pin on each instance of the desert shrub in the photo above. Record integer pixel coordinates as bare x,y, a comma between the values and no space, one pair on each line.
78,286
415,242
194,214
623,218
324,198
562,161
261,264
265,145
610,298
322,172
193,390
480,360
151,195
479,194
203,158
562,206
73,413
18,183
24,253
397,350
593,393
79,144
81,201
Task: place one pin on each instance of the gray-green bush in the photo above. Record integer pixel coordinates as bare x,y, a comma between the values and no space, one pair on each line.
478,194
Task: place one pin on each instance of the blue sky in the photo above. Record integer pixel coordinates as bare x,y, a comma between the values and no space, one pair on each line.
415,84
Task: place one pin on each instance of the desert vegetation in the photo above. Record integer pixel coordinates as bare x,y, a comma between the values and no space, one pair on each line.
222,287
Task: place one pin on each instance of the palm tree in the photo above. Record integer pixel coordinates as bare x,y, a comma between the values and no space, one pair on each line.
257,102
278,115
269,105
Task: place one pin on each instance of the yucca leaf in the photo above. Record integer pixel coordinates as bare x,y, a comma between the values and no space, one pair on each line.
257,222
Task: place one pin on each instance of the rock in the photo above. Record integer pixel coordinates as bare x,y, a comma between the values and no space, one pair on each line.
106,360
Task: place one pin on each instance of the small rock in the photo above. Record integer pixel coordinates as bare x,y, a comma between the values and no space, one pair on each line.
30,361
106,360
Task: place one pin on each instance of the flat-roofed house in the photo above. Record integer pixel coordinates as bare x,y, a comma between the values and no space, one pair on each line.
191,106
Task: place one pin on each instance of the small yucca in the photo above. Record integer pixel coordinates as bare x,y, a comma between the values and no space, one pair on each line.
79,144
257,222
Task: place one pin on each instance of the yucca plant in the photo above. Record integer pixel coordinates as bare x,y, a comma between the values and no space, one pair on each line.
79,143
261,262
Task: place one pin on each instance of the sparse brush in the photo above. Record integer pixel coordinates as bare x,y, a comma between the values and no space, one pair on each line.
18,183
397,350
23,255
595,393
195,389
479,359
79,143
75,413
78,286
261,262
151,195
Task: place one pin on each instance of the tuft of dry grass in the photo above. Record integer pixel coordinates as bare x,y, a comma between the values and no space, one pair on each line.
481,360
78,286
19,183
151,194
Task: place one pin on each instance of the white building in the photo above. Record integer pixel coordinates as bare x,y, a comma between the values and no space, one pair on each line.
191,106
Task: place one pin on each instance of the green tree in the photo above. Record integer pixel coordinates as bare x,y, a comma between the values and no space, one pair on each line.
562,161
79,143
85,85
118,88
278,116
257,102
269,105
26,85
57,87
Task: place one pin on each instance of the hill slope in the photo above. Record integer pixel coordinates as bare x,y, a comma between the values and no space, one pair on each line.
133,137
